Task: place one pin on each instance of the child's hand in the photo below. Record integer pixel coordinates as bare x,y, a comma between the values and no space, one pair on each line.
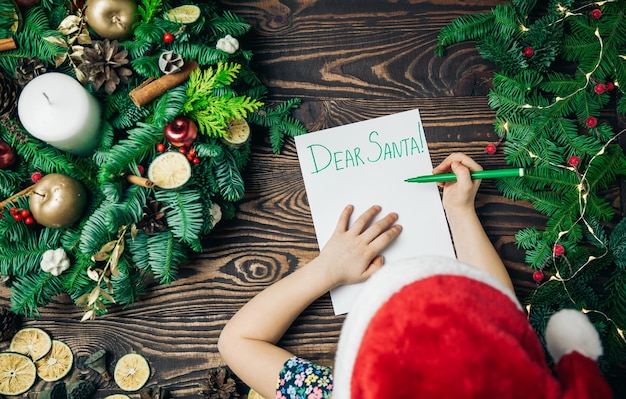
459,195
351,255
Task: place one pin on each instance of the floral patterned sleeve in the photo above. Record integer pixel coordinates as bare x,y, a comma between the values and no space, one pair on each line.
301,379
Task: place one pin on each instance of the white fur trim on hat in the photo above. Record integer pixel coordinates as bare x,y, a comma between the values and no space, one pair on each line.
570,330
378,289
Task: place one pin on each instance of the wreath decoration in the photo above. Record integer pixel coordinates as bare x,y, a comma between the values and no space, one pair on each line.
119,177
562,70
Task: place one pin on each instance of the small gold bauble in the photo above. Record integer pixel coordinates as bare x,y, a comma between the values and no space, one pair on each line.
57,200
111,19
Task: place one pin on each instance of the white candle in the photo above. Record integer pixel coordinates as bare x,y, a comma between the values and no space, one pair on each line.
57,109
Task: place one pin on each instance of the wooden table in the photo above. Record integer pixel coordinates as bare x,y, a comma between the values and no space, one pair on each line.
348,60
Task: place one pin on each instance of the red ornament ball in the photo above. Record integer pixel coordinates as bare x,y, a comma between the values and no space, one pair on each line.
596,13
528,52
8,155
181,132
160,147
574,160
600,88
591,122
538,276
491,149
558,250
168,38
36,176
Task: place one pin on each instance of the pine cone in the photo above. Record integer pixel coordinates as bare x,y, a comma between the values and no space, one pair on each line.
153,217
9,91
9,323
219,385
28,68
104,64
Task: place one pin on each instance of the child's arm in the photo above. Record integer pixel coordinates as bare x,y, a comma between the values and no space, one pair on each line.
470,240
248,341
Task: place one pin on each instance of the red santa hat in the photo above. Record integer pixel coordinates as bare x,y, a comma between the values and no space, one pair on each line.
433,327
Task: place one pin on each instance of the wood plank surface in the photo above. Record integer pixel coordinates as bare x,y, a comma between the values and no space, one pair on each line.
349,60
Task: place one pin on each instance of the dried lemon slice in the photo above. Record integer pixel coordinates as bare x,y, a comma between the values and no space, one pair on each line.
131,372
31,341
117,396
252,394
186,14
237,132
169,170
57,363
17,373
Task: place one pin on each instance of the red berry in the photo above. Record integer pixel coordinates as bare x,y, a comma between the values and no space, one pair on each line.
17,217
558,250
596,13
13,211
182,150
189,157
36,176
610,86
538,276
168,38
141,169
599,88
192,152
574,160
195,161
25,213
591,122
491,149
160,147
528,52
29,220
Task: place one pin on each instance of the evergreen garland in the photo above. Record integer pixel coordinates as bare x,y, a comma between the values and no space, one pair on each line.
560,65
111,255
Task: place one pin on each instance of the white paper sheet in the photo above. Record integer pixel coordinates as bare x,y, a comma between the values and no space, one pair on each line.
366,163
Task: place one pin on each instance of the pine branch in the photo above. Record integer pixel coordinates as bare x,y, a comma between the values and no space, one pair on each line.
32,291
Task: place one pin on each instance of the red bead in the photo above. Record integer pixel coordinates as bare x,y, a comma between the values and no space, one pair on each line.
528,52
574,160
596,13
195,161
168,38
491,149
610,86
36,176
538,276
558,250
29,220
591,122
160,147
599,88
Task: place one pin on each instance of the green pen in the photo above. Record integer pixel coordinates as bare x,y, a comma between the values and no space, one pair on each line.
481,174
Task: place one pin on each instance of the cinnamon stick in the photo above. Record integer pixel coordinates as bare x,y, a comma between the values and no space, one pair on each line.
25,191
140,181
7,44
153,88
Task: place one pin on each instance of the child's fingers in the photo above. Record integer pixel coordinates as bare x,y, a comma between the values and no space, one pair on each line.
379,227
364,220
385,238
344,218
375,265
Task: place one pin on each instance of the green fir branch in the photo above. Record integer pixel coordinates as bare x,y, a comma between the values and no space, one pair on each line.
32,291
166,254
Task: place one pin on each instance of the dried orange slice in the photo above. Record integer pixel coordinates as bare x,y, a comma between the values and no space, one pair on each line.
131,372
169,170
57,363
17,373
31,341
237,132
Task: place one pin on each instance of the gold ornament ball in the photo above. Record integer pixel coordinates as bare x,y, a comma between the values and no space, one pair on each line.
57,200
111,19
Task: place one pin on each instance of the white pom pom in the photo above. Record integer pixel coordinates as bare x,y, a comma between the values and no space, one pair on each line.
570,330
